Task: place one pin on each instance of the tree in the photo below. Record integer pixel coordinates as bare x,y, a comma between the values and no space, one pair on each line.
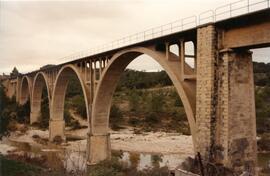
14,72
157,102
134,100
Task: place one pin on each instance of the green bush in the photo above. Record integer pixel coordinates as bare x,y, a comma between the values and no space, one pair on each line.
23,112
78,103
107,168
45,114
67,117
156,102
4,122
16,168
116,117
10,110
134,100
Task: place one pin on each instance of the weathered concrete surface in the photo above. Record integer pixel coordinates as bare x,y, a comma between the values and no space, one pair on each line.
57,129
252,35
225,114
236,119
98,148
247,32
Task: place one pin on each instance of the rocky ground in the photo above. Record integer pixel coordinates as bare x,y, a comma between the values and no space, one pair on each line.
125,140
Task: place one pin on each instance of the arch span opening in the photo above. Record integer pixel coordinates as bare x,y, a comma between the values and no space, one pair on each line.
69,102
23,109
40,101
103,99
24,90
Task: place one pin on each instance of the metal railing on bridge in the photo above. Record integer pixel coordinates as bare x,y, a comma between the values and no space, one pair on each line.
234,9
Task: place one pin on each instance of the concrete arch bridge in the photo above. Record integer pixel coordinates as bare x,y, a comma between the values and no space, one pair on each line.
217,91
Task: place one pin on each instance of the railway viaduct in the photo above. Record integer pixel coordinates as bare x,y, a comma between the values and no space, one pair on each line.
217,91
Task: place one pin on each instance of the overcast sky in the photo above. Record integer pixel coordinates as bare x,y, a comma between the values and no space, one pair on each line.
36,33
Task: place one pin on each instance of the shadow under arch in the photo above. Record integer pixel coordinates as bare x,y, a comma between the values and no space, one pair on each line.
111,75
25,90
58,99
40,80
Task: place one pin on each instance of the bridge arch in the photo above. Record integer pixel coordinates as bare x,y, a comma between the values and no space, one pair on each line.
57,123
25,90
108,82
40,81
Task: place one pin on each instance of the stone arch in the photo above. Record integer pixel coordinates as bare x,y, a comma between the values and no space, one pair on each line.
40,80
108,83
25,90
57,123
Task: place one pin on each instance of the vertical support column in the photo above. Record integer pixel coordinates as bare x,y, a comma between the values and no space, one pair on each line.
35,113
98,148
236,120
56,129
182,56
167,48
100,68
205,91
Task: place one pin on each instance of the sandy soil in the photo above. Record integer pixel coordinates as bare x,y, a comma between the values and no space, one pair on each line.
158,142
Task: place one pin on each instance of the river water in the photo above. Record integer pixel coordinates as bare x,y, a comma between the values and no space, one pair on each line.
58,158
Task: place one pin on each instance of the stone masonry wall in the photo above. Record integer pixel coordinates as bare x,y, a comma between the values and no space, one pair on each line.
206,58
236,119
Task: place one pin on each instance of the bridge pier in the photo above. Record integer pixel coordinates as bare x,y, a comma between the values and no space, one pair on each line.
225,104
98,148
35,116
56,128
236,117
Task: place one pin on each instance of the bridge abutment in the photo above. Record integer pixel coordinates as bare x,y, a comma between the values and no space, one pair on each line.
98,148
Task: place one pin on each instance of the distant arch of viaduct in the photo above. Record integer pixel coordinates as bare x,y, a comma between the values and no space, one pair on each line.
217,91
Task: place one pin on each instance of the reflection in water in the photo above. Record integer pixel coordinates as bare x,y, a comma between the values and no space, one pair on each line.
56,157
156,159
134,159
146,160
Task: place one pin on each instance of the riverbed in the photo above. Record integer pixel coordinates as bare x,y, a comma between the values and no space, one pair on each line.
138,150
144,150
